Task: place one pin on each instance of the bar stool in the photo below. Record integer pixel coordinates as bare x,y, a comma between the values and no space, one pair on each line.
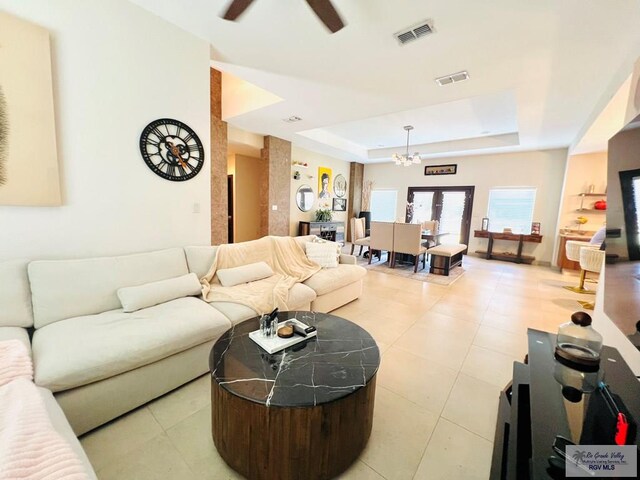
591,260
573,250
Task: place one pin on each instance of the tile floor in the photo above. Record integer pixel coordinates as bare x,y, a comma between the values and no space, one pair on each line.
447,351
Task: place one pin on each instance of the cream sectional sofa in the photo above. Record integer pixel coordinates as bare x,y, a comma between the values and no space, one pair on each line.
101,362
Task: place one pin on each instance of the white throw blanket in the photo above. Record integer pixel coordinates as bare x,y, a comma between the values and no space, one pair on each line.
30,448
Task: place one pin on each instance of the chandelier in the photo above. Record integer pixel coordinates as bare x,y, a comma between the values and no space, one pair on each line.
406,159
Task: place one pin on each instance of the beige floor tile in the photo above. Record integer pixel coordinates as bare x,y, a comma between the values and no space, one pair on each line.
192,438
111,441
386,307
512,344
385,330
488,366
437,322
401,430
473,404
179,404
155,459
454,453
510,323
450,306
351,309
360,471
441,347
421,381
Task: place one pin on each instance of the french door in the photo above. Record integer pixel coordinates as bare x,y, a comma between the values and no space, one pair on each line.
451,206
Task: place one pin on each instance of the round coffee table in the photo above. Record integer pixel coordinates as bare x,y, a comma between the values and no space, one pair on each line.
302,413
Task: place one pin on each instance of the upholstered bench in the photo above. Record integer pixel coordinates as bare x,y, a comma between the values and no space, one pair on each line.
445,257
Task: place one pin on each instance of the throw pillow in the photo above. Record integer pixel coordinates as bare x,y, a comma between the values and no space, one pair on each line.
154,293
324,253
251,272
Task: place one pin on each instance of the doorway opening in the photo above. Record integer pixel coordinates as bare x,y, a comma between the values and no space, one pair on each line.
450,206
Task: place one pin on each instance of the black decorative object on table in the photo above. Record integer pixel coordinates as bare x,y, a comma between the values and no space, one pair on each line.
171,149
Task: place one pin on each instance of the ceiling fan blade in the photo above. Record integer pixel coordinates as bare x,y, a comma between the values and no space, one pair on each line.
236,8
326,12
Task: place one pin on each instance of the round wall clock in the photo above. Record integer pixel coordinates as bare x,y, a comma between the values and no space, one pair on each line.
171,149
339,186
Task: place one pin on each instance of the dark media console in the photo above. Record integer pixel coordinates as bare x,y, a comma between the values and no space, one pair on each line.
534,409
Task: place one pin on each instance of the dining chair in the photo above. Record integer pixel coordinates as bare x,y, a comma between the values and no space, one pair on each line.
357,235
407,238
381,239
432,226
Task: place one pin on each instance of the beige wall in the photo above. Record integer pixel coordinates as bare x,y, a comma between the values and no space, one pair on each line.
543,170
246,197
582,171
314,160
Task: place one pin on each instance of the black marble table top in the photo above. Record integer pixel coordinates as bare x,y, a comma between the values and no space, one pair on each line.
342,358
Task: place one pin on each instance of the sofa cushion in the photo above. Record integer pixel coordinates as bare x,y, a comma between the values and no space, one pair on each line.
325,254
82,350
300,296
15,295
71,288
230,277
200,259
15,333
328,280
154,293
235,312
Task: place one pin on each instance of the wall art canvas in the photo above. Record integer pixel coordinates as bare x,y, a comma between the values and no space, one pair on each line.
324,183
28,154
339,204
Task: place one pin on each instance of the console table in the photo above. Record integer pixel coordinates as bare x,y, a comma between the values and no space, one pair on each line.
514,237
536,407
333,231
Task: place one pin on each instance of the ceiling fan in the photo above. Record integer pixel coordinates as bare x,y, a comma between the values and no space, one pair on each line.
324,9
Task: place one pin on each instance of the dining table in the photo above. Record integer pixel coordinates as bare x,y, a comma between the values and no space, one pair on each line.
433,237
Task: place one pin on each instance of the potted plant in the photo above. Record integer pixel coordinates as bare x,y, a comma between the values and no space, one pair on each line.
323,215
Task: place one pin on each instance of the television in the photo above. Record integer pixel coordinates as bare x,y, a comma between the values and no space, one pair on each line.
622,266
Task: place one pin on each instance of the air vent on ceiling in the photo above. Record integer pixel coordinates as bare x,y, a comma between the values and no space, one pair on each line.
453,78
413,33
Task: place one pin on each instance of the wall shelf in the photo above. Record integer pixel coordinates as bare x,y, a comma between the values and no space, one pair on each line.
592,210
592,194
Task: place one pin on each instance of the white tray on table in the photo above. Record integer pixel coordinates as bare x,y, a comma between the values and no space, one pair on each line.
276,343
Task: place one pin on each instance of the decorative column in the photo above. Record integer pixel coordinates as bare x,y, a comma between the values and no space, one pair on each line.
219,199
356,177
276,186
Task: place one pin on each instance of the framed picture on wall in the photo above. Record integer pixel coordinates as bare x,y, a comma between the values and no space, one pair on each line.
441,169
535,228
339,204
324,183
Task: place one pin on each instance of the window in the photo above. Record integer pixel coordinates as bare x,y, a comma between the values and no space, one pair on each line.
383,205
511,208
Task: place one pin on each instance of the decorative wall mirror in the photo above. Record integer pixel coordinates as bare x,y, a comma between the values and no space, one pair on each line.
622,268
305,198
340,186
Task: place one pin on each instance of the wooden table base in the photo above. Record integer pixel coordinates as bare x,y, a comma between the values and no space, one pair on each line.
281,443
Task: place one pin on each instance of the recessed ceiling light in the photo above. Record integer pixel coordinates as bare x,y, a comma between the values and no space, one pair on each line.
380,145
485,132
292,119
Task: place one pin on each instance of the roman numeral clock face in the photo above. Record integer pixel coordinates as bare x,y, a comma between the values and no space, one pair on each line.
171,149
